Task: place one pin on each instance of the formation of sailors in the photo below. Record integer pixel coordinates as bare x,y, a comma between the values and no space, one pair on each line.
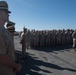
40,38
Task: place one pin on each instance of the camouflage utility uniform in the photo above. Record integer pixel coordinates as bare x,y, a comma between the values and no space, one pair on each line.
7,48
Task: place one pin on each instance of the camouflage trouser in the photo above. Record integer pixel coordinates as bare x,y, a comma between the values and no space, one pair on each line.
23,49
74,42
28,44
42,42
58,41
63,40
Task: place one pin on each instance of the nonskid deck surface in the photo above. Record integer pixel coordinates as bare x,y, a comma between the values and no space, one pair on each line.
57,60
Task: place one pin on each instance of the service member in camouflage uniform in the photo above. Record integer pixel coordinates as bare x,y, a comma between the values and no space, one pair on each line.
23,42
11,28
8,66
58,37
63,37
74,39
67,36
28,39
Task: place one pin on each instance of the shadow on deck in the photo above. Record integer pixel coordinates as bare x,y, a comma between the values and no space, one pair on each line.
30,65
